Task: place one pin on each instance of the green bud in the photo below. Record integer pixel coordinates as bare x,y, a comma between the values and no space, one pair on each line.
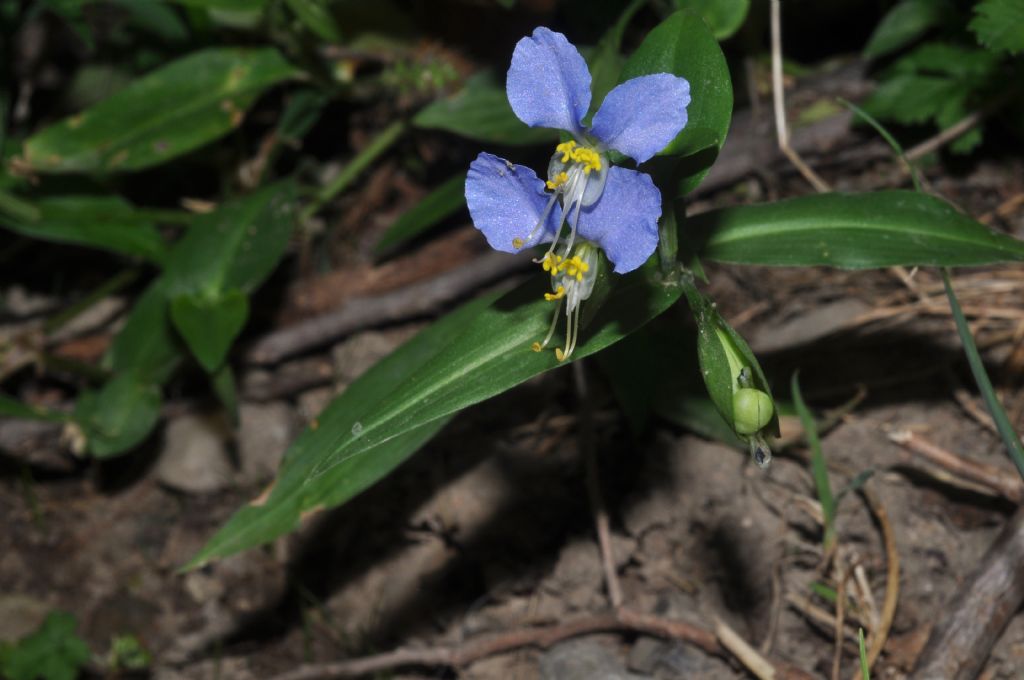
752,410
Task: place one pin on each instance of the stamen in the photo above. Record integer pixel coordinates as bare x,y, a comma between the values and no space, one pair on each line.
518,243
557,295
560,179
572,334
566,149
538,346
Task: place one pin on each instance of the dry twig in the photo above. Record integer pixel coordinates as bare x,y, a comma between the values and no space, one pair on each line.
975,618
459,656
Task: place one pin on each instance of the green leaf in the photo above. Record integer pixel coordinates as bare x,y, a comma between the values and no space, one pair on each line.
54,652
999,25
316,16
440,203
724,17
12,408
850,231
233,5
164,114
104,222
480,111
683,45
904,23
478,351
156,18
235,247
147,346
210,325
911,98
606,59
118,416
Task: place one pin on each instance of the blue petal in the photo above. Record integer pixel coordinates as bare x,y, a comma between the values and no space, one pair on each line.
624,222
506,202
548,83
641,116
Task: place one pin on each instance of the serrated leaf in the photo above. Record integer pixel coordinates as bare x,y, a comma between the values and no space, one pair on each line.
480,111
912,98
54,652
162,115
850,231
905,23
209,325
478,351
999,25
440,203
103,222
119,416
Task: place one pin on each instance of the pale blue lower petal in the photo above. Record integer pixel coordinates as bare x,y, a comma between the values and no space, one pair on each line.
624,222
641,116
548,83
507,201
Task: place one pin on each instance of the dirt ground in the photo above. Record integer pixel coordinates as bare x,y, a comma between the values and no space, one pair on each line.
489,527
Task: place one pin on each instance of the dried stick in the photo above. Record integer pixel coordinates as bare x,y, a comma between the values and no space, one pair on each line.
995,479
458,656
366,311
747,655
977,615
585,433
880,634
778,96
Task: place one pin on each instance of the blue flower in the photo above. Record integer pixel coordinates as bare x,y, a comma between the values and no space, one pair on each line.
606,207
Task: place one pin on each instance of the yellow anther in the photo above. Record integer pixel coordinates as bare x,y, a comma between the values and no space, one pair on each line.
536,347
566,149
560,179
517,243
551,263
557,295
588,158
560,355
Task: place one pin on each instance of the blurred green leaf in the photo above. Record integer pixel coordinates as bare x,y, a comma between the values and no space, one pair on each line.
210,324
119,416
54,652
104,222
443,201
234,5
476,352
606,58
146,345
999,25
12,408
683,45
850,231
224,256
164,114
905,23
724,17
480,111
156,18
315,15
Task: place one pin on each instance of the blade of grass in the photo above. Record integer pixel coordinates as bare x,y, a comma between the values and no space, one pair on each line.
381,143
865,672
818,466
1006,431
880,129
